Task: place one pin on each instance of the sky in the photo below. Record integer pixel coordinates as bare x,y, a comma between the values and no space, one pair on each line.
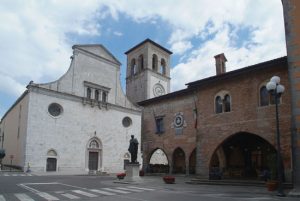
36,36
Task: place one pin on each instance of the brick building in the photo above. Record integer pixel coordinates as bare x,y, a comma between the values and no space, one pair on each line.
224,122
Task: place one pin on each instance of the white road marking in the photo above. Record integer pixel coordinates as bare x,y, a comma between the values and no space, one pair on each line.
130,189
70,196
47,196
2,198
102,192
28,188
146,189
6,175
23,197
85,193
115,190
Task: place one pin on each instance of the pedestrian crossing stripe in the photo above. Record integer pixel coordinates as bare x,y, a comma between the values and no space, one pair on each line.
102,192
75,194
70,196
85,193
47,196
23,197
145,189
128,189
116,190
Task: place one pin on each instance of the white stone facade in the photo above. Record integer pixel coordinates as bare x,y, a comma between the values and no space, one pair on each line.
85,127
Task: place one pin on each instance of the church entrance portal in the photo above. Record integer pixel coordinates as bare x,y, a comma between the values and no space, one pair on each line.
243,155
93,154
51,161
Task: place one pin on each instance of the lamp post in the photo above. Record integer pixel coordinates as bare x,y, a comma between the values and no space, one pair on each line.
276,89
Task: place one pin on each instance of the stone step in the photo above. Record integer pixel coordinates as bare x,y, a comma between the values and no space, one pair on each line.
233,182
93,172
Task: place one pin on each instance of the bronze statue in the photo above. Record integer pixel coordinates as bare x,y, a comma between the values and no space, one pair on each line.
133,149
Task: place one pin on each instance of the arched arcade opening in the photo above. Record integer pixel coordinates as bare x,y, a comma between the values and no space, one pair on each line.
158,162
179,161
243,156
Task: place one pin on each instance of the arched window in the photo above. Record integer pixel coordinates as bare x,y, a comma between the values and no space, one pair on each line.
104,97
133,67
162,69
264,96
88,93
96,95
141,62
219,104
227,103
154,62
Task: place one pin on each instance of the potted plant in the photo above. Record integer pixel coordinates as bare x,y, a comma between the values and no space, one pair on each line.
121,175
270,173
169,179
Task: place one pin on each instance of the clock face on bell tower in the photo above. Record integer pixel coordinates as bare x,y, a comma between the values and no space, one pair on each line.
158,90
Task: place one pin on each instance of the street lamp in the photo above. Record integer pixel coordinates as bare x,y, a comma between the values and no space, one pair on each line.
276,90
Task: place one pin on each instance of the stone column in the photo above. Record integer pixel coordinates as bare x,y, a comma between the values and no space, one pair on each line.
187,165
291,10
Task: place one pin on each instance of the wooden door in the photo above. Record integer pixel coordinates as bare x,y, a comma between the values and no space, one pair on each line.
93,160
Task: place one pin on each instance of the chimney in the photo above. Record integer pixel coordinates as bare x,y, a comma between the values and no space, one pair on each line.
220,63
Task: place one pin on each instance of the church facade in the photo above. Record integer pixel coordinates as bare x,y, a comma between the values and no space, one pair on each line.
80,122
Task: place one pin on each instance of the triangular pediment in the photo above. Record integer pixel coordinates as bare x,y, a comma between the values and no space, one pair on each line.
98,50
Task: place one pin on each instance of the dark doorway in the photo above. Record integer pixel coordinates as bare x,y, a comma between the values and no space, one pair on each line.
51,164
192,162
243,155
179,161
93,160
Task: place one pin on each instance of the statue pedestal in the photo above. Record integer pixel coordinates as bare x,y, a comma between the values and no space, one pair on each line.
132,172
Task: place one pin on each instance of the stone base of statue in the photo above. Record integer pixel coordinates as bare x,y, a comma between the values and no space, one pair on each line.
132,172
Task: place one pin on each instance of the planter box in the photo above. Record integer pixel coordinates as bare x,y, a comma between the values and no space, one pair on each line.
121,175
272,185
169,179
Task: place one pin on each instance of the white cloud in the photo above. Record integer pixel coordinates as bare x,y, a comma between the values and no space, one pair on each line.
10,86
117,33
181,46
33,38
34,42
206,20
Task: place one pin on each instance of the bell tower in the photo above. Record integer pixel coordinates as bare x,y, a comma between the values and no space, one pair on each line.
148,71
